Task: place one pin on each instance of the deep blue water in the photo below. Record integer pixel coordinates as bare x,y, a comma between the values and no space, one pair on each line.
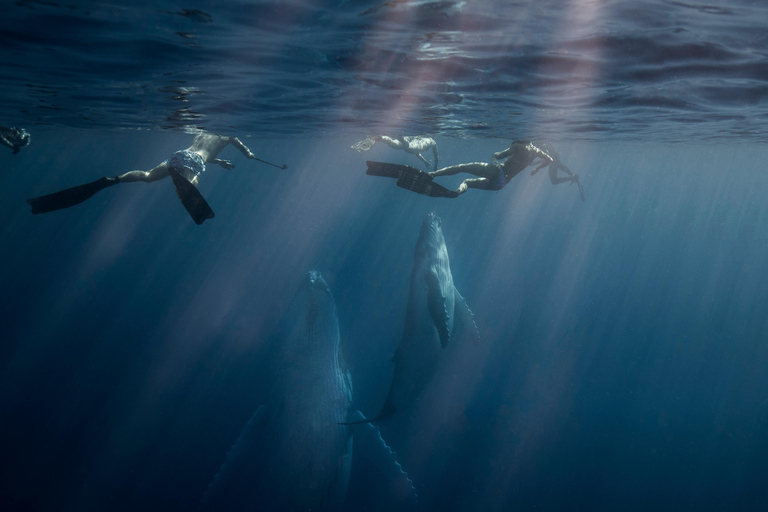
624,347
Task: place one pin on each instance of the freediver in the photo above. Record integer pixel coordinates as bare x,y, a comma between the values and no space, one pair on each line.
415,145
184,167
495,175
14,138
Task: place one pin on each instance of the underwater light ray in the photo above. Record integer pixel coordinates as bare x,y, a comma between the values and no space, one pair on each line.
293,220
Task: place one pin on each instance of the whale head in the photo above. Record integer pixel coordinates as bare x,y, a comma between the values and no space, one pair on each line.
314,324
431,243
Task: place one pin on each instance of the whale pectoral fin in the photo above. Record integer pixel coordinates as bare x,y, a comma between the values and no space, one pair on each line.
370,445
241,463
437,309
356,417
465,316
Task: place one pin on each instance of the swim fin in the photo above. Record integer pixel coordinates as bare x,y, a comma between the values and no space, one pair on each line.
577,182
191,198
388,170
410,178
422,184
364,145
69,197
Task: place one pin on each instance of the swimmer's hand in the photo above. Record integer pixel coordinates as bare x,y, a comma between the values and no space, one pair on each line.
543,164
251,155
224,163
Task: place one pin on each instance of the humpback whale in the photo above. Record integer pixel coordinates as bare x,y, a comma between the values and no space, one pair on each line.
434,304
295,453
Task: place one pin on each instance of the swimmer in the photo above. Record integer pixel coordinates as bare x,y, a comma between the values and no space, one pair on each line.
495,175
14,138
557,164
184,167
413,145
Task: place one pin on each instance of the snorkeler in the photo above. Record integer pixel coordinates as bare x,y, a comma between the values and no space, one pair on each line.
184,167
14,138
495,175
557,164
413,145
492,176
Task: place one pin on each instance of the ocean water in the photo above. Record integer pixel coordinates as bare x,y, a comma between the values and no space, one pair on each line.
624,339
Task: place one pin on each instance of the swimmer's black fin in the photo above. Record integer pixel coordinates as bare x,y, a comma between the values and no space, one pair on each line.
410,178
581,189
389,170
69,197
422,184
191,198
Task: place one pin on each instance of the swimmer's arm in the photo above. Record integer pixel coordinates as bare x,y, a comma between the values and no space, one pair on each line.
5,142
242,148
547,160
434,154
480,183
503,154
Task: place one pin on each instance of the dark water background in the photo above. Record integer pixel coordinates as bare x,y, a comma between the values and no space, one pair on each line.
623,356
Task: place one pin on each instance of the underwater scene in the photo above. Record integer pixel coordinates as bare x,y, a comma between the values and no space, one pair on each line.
404,255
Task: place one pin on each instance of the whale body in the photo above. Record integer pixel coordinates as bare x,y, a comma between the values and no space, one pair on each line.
434,304
295,453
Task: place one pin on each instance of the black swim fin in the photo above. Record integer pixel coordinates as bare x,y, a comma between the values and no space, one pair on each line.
69,197
388,170
191,198
410,178
422,184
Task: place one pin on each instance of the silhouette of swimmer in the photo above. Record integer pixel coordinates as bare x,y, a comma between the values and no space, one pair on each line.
184,167
495,175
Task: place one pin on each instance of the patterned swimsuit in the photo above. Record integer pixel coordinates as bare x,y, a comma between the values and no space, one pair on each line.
187,163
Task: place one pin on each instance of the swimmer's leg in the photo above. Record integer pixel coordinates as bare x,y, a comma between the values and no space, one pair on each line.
158,173
393,143
76,195
480,169
553,174
478,183
426,162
